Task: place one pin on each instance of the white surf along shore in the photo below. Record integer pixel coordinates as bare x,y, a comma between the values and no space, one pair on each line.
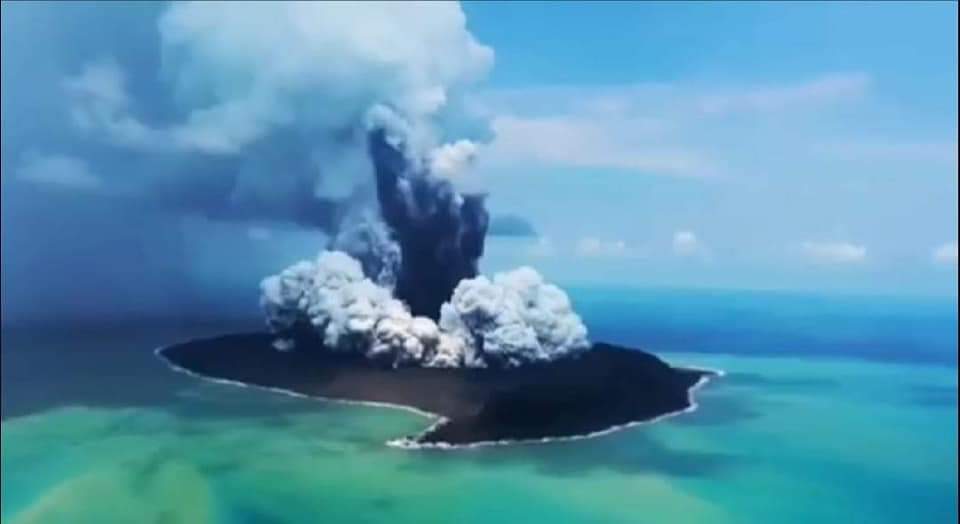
410,443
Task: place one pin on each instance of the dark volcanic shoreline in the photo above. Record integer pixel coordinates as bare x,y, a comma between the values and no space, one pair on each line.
603,389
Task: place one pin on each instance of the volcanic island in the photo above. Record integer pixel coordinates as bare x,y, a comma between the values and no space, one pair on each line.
602,389
394,311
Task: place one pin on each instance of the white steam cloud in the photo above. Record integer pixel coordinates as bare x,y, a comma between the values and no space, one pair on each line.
307,74
350,313
834,252
686,243
515,319
252,66
452,160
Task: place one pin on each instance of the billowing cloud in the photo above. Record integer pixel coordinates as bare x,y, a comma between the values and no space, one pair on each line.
946,254
244,70
273,102
349,313
834,252
513,319
250,67
58,170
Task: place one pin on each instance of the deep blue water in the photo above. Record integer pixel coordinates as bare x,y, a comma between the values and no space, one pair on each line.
878,328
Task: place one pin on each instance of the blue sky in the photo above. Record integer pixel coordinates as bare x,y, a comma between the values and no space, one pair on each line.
807,146
799,145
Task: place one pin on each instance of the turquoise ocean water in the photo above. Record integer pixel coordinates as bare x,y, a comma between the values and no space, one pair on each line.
832,410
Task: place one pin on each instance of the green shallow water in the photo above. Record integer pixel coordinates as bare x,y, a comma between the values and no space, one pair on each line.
776,440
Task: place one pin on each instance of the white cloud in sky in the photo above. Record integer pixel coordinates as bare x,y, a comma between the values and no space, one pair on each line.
833,252
946,254
595,247
825,89
659,129
573,141
58,170
673,99
685,243
933,152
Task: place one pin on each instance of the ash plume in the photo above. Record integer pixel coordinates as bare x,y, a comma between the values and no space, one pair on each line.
401,287
365,237
347,117
440,232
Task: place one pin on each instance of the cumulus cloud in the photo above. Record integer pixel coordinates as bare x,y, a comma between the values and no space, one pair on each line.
946,254
834,252
686,243
516,318
58,170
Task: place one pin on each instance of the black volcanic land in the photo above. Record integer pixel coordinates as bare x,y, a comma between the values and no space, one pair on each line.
606,387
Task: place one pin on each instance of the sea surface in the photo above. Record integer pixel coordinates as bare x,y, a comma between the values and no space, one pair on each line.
832,409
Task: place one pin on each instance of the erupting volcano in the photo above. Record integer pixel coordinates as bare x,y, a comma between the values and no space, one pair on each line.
395,312
394,309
